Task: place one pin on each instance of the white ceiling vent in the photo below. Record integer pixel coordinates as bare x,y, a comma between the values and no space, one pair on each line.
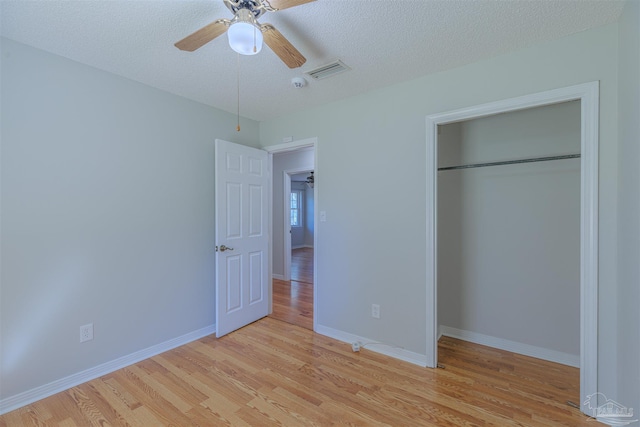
328,70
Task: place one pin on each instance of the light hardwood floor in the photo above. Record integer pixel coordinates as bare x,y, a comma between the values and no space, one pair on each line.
293,301
275,373
302,265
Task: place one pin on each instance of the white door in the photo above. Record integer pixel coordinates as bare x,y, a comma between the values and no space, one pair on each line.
242,247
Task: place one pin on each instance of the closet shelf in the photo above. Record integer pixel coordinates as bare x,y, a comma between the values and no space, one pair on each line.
510,162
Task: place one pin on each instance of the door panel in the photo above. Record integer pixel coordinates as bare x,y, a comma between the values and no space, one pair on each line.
256,209
234,210
233,284
256,265
242,283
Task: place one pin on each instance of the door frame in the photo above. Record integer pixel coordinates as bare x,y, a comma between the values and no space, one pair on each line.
588,95
287,221
284,148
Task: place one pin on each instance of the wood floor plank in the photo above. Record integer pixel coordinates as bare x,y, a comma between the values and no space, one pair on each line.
94,403
118,405
275,373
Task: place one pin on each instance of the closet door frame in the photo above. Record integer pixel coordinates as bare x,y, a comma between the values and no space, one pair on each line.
588,95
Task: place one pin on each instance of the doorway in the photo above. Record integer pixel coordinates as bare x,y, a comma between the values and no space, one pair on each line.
587,95
293,232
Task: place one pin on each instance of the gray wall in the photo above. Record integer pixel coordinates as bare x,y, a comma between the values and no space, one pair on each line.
372,247
294,160
107,215
509,236
629,212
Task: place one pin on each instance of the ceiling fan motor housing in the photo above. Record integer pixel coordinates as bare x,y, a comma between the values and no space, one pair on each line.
256,7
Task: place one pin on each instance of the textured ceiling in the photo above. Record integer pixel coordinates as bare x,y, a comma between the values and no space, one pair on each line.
383,41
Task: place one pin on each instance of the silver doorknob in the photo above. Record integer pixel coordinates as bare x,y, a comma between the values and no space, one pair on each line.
225,248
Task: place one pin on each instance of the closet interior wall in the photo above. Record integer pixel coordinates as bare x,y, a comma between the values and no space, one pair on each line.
509,235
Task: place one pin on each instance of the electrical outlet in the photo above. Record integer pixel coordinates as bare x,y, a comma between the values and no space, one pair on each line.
375,311
86,332
356,346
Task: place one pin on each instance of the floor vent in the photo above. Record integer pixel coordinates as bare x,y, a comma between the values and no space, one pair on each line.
328,70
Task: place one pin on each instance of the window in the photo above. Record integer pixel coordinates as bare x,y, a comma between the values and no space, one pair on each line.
296,208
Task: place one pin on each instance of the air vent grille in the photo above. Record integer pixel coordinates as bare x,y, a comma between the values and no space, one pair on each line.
328,70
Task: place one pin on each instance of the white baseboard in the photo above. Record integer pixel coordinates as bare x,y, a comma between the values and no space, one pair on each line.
512,346
373,345
278,276
25,398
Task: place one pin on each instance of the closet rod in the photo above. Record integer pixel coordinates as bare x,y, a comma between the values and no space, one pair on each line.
510,162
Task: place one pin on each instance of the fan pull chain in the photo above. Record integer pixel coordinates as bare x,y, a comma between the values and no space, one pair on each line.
238,127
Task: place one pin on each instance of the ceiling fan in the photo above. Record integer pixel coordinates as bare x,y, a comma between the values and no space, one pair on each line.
245,33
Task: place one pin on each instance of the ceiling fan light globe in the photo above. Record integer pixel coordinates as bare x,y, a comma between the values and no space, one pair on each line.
244,37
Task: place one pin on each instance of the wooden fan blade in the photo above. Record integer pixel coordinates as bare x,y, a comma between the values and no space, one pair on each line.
282,47
203,36
285,4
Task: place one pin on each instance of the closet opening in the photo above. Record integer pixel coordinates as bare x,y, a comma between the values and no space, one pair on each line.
509,227
512,229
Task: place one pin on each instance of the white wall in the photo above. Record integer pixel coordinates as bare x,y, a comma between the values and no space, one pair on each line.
107,216
372,247
509,236
629,212
298,160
